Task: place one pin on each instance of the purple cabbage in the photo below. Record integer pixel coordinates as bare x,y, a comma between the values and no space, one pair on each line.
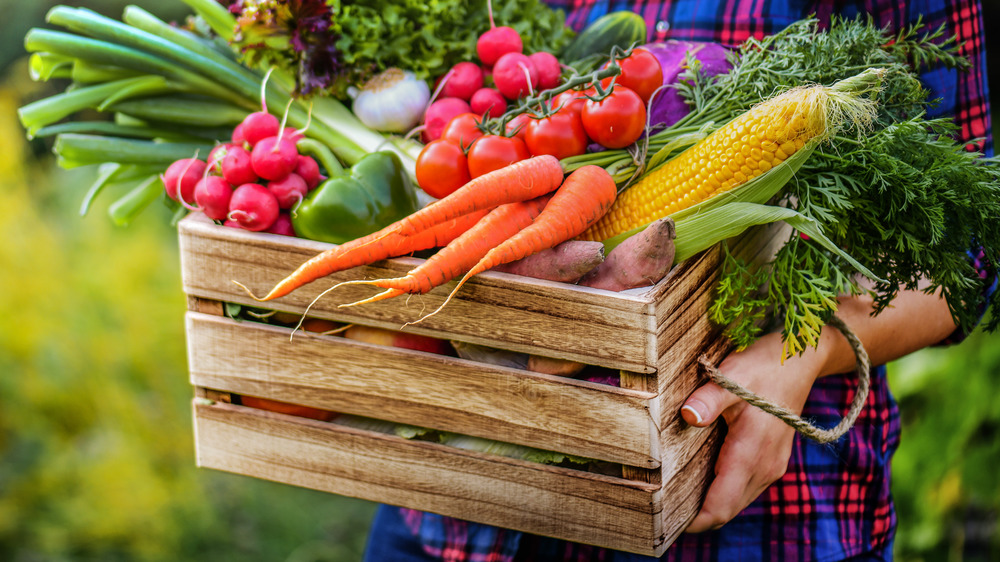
667,106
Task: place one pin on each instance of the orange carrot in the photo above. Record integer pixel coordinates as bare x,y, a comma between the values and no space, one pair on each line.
462,253
583,198
372,248
520,181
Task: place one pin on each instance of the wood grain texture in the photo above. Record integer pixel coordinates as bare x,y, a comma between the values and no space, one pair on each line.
652,335
553,501
400,385
547,318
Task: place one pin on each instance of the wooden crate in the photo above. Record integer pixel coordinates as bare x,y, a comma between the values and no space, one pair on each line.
653,336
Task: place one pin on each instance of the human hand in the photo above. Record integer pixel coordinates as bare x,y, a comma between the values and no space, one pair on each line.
757,446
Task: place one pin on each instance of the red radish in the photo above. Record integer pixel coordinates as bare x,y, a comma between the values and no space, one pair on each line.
282,225
212,196
274,158
216,156
238,138
253,207
289,190
232,224
548,69
308,170
292,134
463,80
515,75
498,41
181,177
439,114
259,126
236,166
488,101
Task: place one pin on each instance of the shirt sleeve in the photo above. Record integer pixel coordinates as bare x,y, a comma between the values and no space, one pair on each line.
964,95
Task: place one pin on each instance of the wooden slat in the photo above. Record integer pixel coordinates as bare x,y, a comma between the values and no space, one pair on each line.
563,503
682,496
529,315
333,373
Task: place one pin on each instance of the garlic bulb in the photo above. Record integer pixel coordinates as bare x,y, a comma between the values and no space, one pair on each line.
393,101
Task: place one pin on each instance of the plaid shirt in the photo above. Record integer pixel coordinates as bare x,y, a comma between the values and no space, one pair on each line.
834,501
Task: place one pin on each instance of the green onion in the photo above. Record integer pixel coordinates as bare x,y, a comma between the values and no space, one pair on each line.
80,150
49,110
124,210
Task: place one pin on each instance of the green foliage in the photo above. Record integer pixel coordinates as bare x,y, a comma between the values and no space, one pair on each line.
95,424
945,478
902,197
330,46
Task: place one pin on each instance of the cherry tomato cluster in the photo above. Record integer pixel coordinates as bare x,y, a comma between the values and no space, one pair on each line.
251,182
503,74
573,120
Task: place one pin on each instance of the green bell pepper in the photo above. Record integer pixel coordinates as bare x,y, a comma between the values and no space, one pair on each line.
373,194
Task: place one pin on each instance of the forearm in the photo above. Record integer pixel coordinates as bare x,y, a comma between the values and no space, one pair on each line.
914,321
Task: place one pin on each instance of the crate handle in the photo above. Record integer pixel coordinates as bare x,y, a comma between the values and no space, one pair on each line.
800,425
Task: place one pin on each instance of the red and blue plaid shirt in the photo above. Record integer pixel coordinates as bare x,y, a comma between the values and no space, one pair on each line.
834,502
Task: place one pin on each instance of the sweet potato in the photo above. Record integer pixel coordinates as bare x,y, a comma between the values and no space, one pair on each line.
566,262
640,261
552,366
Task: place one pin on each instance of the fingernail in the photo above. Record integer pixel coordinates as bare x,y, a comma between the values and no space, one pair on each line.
691,415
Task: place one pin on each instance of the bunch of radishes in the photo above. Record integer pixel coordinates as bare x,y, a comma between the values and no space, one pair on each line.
464,89
251,182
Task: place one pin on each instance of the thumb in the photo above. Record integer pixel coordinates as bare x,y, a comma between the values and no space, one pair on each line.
706,404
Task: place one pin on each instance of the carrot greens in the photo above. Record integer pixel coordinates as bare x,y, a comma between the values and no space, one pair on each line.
903,198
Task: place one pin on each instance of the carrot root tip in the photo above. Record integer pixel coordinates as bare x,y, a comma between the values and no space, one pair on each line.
249,292
386,294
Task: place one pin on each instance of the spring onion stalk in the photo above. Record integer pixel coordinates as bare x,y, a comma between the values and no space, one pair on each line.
110,174
102,52
124,210
80,150
49,110
107,128
217,17
86,73
170,91
46,66
182,111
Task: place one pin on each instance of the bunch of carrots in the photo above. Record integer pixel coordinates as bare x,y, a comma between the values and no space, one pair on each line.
496,218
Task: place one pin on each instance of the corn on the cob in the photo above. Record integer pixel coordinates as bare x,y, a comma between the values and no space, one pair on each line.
741,150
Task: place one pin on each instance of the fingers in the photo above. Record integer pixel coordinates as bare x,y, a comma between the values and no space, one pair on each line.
706,404
754,455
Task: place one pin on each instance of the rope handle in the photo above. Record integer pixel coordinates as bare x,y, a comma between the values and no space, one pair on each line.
800,425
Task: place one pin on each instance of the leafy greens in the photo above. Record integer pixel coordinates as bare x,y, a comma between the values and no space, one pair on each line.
331,45
904,198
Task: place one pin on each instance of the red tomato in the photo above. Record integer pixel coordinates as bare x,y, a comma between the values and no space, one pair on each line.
570,100
462,130
560,135
616,121
442,168
641,73
286,408
492,152
518,126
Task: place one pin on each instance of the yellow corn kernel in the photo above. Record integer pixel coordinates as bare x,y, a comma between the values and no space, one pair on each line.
744,148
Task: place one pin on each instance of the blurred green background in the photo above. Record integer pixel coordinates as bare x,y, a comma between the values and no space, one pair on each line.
96,454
